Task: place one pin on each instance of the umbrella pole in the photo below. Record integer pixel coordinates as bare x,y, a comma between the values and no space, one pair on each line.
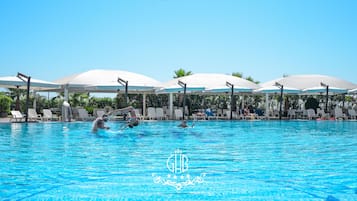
326,104
281,100
184,102
23,77
184,97
27,99
232,93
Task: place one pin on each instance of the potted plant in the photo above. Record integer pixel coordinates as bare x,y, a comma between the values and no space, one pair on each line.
5,103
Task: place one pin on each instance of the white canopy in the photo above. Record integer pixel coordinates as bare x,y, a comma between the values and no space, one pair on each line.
15,82
322,89
208,82
353,91
312,82
275,89
107,81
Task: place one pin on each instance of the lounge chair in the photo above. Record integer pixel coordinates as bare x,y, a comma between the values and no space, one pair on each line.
160,113
17,116
339,114
228,114
311,114
322,113
33,116
48,115
138,114
83,115
352,113
151,113
292,114
99,113
178,114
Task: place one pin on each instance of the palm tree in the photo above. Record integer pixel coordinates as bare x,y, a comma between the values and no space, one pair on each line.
240,75
181,73
237,74
252,80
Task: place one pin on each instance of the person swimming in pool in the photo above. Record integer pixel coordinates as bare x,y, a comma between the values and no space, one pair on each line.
183,124
99,123
132,121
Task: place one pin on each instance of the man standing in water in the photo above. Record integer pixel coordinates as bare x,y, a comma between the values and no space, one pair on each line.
99,123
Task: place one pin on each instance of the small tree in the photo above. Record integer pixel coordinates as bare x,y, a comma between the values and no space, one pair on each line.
5,103
181,73
311,103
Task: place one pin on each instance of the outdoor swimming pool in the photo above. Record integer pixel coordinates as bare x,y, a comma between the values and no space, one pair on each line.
214,160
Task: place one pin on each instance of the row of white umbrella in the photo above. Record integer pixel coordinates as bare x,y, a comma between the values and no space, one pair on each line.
116,80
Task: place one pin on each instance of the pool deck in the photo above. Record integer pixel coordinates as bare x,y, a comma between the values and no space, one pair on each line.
4,120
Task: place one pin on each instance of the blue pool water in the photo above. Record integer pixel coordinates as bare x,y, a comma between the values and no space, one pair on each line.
214,160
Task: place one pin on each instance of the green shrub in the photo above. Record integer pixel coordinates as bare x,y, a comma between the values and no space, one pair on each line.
5,103
311,103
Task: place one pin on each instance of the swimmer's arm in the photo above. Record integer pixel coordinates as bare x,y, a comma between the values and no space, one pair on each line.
122,110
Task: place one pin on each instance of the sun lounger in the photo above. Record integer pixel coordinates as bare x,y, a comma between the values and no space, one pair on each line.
33,116
160,113
99,113
178,114
151,113
352,113
339,114
83,115
138,114
17,116
48,115
311,114
228,114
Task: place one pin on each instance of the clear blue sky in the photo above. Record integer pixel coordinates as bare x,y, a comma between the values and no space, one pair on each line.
263,39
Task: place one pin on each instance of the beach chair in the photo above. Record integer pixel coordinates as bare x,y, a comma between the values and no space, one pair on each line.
321,113
228,115
160,113
17,116
83,115
292,114
99,113
33,116
311,114
48,115
138,114
352,113
339,114
151,113
178,114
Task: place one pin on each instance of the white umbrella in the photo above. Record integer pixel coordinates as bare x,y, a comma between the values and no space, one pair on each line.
208,82
15,82
322,89
275,89
107,81
353,91
309,81
312,83
35,84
